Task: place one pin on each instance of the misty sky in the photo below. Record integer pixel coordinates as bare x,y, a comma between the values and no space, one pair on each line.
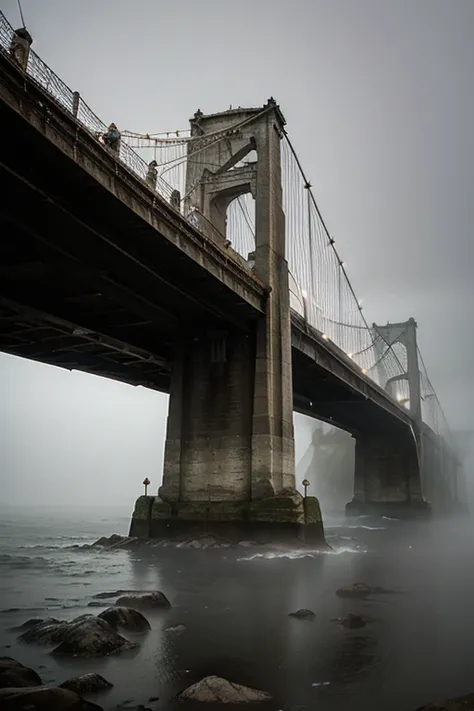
380,108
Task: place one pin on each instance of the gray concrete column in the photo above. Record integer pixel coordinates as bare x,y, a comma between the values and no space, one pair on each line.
208,439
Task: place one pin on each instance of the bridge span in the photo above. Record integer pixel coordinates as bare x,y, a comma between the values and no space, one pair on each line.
101,271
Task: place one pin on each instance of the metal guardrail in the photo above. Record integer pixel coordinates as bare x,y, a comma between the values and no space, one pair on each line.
74,104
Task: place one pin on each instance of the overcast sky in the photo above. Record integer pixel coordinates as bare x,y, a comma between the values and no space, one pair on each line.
379,103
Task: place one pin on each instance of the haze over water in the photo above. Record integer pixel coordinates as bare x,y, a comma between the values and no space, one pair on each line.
415,648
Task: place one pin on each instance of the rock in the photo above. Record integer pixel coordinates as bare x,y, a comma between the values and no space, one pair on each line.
354,590
351,621
125,617
90,636
96,603
49,631
303,614
213,688
144,601
30,623
105,542
14,674
247,544
44,698
460,703
87,683
177,629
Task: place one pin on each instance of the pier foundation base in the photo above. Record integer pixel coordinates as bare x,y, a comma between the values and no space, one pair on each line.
287,518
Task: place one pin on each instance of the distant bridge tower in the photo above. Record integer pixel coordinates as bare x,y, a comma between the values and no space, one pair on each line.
404,333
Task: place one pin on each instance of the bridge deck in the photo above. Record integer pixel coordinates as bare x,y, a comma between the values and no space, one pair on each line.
98,273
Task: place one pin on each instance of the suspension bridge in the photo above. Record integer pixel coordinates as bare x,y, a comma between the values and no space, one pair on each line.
198,263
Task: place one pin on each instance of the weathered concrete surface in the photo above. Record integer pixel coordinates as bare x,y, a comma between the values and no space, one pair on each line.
230,427
387,475
286,517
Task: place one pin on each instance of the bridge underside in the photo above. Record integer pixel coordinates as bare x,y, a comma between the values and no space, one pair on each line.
98,274
72,255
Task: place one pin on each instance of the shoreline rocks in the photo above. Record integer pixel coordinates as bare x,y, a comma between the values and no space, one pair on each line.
86,684
303,614
125,617
215,689
84,636
14,674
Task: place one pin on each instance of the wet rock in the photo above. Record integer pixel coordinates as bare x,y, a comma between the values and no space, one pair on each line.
97,603
116,541
44,698
248,544
90,636
303,614
87,683
144,601
177,629
49,631
460,703
30,623
351,621
213,688
14,674
106,542
354,590
125,617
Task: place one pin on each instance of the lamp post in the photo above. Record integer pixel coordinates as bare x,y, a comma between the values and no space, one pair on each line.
146,483
305,483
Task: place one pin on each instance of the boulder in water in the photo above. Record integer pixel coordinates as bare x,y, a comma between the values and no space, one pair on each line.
14,674
32,622
213,688
125,617
460,703
44,698
87,683
49,631
354,590
176,629
303,614
90,636
144,601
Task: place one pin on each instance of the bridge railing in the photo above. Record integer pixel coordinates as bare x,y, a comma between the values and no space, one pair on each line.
74,104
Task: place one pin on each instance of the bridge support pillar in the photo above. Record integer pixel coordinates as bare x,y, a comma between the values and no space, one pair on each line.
228,465
387,477
229,454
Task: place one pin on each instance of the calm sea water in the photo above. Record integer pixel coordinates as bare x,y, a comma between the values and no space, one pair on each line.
416,648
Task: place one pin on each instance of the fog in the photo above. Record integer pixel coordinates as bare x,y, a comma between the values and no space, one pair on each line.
379,103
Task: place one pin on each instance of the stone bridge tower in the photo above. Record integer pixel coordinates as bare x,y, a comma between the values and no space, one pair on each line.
229,453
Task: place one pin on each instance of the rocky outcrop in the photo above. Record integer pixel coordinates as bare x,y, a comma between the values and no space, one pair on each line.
460,703
144,601
14,674
213,688
85,636
116,541
87,683
125,617
176,629
90,636
303,614
43,698
47,632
